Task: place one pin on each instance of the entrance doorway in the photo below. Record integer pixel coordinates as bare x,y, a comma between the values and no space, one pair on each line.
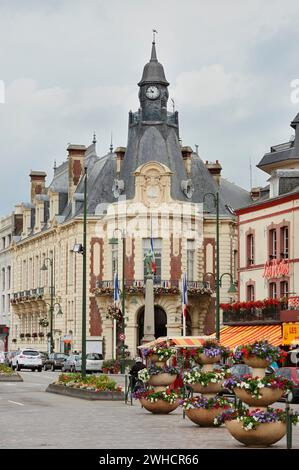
160,324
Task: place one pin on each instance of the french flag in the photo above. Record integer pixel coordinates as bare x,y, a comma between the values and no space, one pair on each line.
153,256
184,295
116,292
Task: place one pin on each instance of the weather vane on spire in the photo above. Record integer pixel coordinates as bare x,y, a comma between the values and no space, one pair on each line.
154,35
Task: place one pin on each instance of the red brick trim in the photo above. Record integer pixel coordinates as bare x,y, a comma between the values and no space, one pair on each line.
210,241
175,261
95,324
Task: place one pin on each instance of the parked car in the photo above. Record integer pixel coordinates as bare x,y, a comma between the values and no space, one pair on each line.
290,373
94,363
27,359
9,357
2,357
70,363
44,357
54,361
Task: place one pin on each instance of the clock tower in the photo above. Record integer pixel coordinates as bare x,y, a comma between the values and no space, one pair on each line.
153,93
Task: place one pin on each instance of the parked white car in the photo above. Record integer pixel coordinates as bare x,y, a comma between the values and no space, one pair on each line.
94,363
27,359
2,357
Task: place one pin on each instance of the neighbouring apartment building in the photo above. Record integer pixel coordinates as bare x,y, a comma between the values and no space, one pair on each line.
269,249
8,231
152,189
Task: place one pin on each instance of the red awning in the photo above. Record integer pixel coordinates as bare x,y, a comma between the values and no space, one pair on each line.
232,336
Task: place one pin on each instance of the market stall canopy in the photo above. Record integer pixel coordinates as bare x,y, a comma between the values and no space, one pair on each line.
180,341
232,336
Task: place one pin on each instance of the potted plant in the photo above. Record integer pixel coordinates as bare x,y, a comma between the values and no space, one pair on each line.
203,411
14,340
22,335
158,402
158,355
257,391
41,334
205,382
259,354
210,352
157,376
256,427
34,335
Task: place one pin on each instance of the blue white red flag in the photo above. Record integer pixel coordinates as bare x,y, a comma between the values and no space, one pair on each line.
154,267
116,292
184,295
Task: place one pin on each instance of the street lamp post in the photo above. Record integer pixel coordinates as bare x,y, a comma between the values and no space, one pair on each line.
45,268
216,205
232,290
114,241
82,250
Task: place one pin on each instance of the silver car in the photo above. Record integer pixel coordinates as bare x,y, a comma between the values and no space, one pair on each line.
70,363
94,363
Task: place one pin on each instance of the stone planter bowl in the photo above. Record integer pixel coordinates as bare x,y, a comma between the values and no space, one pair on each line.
264,435
203,417
159,407
256,362
210,388
269,396
203,359
163,379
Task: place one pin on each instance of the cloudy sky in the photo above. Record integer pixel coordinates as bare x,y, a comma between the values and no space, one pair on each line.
71,67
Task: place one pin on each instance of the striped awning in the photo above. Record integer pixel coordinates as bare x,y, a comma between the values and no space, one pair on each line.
232,336
180,341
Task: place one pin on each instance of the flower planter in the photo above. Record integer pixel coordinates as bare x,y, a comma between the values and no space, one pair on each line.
204,417
203,359
163,379
269,396
210,388
159,406
264,435
256,362
154,359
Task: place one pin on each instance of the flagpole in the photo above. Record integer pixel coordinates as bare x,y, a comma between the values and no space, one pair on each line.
184,323
114,339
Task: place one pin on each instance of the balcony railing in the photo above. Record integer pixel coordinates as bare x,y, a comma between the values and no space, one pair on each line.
252,316
161,286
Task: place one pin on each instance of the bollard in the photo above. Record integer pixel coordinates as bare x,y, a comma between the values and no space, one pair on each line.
126,389
289,424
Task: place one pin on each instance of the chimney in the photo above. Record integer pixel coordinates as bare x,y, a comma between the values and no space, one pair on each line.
120,155
76,157
38,183
187,157
215,170
255,193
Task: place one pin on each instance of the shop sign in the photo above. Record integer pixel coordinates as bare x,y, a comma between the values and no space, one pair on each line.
290,333
276,269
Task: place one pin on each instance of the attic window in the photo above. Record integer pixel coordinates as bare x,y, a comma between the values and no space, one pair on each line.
230,209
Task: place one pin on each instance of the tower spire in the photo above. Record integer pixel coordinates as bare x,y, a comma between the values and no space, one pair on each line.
154,53
111,144
94,140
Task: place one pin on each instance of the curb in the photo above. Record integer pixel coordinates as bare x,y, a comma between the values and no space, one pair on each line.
11,378
85,394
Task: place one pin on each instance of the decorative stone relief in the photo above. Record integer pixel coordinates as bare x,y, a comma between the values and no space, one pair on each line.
118,187
187,188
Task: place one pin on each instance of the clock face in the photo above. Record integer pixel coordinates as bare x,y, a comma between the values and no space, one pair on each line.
152,92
